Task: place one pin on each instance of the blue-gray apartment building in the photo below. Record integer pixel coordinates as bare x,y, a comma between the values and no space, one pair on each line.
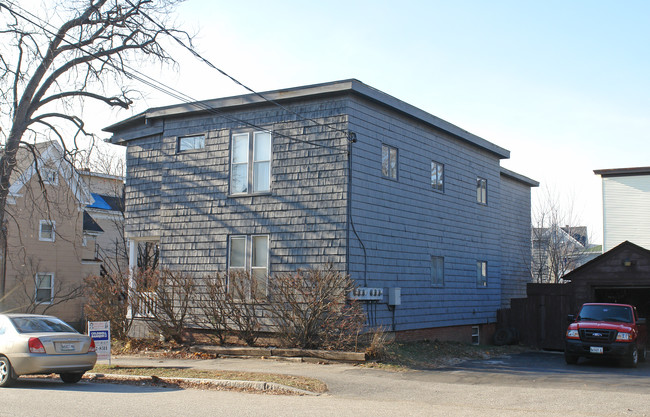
417,210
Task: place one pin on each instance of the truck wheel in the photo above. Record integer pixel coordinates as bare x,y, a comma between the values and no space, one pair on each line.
643,353
570,359
632,359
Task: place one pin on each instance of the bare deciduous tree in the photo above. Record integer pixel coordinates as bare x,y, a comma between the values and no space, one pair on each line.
48,72
559,243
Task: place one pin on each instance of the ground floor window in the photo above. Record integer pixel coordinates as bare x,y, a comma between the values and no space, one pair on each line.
44,283
249,255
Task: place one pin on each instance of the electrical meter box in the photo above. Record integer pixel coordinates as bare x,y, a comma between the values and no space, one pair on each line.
394,296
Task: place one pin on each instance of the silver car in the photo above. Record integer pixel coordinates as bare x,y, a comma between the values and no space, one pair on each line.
33,344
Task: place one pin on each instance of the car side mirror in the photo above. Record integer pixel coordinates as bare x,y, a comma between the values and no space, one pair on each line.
570,318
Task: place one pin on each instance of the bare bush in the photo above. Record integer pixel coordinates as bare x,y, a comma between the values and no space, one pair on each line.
212,303
310,309
244,300
166,297
107,300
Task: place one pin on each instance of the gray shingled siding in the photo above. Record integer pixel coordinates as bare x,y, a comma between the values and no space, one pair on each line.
305,215
404,222
143,187
515,239
183,198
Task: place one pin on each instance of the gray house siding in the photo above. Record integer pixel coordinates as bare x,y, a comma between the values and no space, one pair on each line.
404,222
515,240
183,198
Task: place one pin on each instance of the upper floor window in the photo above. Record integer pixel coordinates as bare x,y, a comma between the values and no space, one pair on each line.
43,292
481,273
437,271
481,190
47,230
50,176
437,172
189,143
250,254
389,162
250,165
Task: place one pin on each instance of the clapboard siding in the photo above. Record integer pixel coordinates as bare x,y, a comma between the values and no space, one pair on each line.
403,223
624,199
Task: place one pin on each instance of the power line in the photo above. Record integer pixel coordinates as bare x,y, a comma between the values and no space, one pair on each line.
157,85
236,81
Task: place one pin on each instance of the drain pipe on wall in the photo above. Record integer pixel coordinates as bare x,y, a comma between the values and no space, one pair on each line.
352,138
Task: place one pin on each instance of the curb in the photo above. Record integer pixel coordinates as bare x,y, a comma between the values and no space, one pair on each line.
214,383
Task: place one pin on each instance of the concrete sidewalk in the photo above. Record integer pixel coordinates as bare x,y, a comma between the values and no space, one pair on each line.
337,376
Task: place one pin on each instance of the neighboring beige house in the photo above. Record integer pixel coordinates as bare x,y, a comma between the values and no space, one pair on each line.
626,198
61,225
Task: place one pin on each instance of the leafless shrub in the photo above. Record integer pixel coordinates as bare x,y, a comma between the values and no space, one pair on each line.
376,349
212,303
166,298
107,300
309,309
244,300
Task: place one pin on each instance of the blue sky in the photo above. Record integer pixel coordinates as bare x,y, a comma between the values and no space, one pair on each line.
564,85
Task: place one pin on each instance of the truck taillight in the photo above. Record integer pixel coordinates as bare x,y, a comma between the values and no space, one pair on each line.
91,348
35,345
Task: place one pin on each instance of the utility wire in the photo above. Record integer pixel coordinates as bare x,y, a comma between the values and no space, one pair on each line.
236,81
157,85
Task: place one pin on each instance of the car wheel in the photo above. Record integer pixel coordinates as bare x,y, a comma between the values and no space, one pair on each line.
71,377
571,359
643,353
632,359
7,376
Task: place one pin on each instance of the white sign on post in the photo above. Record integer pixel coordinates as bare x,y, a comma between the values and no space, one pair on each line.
100,331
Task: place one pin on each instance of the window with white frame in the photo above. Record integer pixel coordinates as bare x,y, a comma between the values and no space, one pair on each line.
481,273
190,143
47,230
437,271
388,162
43,285
481,190
437,172
250,163
50,176
250,254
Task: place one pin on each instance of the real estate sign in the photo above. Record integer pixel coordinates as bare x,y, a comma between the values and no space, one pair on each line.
100,331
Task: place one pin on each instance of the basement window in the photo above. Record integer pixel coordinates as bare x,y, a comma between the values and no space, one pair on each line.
476,335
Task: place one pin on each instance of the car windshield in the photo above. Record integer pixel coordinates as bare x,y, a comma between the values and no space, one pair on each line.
606,313
41,325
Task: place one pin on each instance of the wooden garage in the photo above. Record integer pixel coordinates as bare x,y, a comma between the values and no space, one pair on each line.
621,275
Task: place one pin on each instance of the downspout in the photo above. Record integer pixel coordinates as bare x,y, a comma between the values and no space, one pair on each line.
352,138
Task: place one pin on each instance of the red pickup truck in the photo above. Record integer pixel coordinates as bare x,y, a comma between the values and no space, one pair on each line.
606,330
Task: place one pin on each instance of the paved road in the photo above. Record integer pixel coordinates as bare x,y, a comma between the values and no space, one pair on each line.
527,384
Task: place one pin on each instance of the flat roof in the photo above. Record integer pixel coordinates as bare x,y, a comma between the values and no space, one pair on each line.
622,172
518,177
310,91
